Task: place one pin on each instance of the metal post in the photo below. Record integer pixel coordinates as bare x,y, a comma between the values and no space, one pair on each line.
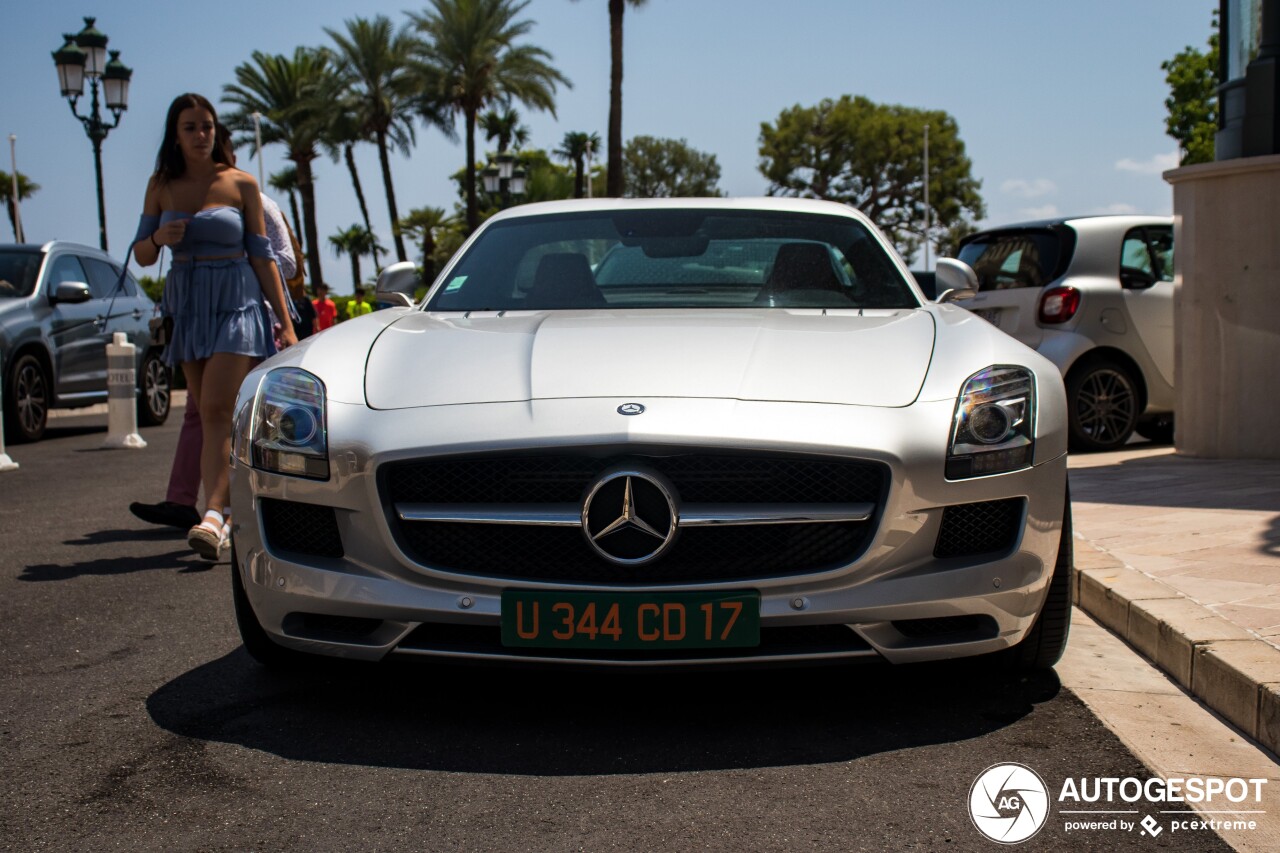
18,234
122,395
257,140
6,464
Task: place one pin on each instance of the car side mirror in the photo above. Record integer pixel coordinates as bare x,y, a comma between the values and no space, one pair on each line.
956,280
397,284
1136,279
72,292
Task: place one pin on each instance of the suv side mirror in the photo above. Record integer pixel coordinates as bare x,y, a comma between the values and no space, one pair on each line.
1136,279
397,284
956,280
72,292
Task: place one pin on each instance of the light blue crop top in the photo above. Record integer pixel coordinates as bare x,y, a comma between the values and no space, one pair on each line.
212,232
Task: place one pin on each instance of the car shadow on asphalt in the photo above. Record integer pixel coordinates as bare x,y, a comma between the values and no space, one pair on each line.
558,723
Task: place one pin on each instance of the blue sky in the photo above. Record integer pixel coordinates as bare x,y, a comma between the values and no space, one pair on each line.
1060,104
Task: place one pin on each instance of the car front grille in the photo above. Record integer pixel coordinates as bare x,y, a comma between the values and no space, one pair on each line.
698,554
309,530
988,527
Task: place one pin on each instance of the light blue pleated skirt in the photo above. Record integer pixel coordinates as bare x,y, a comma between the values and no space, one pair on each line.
216,306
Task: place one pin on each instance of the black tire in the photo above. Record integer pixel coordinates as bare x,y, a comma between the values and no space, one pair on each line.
155,390
1047,640
256,641
27,396
1158,430
1103,405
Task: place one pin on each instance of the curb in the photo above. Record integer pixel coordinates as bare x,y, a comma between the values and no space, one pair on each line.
1221,664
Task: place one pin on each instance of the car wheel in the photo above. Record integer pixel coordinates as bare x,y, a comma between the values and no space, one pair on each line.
26,400
1047,640
1102,398
1158,430
257,642
154,389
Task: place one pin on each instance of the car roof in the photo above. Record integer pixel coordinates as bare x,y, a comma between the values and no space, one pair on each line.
1104,220
762,203
59,246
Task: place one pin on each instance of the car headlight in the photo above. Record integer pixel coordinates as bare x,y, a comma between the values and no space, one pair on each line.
994,426
284,430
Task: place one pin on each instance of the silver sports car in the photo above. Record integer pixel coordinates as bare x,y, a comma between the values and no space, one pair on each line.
682,432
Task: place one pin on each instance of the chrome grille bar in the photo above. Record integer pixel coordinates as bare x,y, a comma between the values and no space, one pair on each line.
691,515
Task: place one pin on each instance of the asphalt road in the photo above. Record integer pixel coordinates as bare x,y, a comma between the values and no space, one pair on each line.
132,719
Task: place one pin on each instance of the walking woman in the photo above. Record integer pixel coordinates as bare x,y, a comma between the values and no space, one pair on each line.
210,216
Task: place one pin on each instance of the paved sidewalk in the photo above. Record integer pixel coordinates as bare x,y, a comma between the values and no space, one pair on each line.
1181,557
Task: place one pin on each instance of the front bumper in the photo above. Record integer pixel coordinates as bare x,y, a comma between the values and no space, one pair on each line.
408,609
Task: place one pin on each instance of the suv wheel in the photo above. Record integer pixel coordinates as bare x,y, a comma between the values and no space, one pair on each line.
1102,399
154,390
26,400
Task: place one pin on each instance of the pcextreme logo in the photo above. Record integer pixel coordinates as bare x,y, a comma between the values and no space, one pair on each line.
1009,803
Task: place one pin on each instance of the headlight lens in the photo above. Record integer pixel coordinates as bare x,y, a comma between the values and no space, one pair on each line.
286,433
994,426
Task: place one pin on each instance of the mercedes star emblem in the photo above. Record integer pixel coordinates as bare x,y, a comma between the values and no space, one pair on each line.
631,409
629,516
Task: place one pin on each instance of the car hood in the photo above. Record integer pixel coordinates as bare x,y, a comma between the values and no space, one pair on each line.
424,359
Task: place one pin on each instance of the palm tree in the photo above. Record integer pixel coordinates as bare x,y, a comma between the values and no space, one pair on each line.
294,96
286,181
354,242
614,183
424,224
575,148
26,189
470,59
339,140
376,61
505,127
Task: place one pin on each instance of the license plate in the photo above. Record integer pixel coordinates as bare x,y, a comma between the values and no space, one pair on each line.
991,315
639,620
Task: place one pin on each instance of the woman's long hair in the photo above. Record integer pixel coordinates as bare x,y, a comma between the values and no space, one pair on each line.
170,164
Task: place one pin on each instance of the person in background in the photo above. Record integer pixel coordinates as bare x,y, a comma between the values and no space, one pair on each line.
211,215
178,509
304,320
357,306
326,311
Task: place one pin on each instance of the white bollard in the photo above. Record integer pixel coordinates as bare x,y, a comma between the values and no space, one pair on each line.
122,395
6,464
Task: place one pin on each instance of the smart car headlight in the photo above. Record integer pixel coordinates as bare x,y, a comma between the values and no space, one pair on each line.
993,430
285,431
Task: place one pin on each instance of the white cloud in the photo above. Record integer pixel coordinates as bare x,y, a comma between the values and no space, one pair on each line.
1153,166
1118,207
1028,189
1045,211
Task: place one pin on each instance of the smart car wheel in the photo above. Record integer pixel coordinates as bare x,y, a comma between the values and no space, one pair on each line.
1045,642
1103,401
256,641
26,400
154,390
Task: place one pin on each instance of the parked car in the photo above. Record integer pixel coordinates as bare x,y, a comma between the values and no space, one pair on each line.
801,461
1094,295
59,308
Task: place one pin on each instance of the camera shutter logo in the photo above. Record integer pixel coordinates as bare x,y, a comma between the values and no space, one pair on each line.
1009,803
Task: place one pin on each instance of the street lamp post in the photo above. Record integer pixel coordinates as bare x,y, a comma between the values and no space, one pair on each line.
85,55
504,179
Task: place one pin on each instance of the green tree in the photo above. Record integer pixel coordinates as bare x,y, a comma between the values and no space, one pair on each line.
469,58
663,168
575,148
286,181
1192,76
544,181
354,242
375,60
871,156
294,96
505,127
427,225
26,189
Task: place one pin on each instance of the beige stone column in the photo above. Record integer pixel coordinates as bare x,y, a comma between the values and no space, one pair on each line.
1227,308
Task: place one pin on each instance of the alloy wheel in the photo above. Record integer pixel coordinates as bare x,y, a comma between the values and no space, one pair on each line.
155,388
1106,406
31,398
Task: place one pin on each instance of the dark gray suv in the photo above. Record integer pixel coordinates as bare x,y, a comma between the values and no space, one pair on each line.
59,308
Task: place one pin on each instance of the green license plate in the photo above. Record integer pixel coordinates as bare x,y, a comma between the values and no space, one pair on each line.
630,620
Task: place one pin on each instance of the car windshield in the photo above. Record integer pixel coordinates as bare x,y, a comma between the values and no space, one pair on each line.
674,258
18,271
1003,261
